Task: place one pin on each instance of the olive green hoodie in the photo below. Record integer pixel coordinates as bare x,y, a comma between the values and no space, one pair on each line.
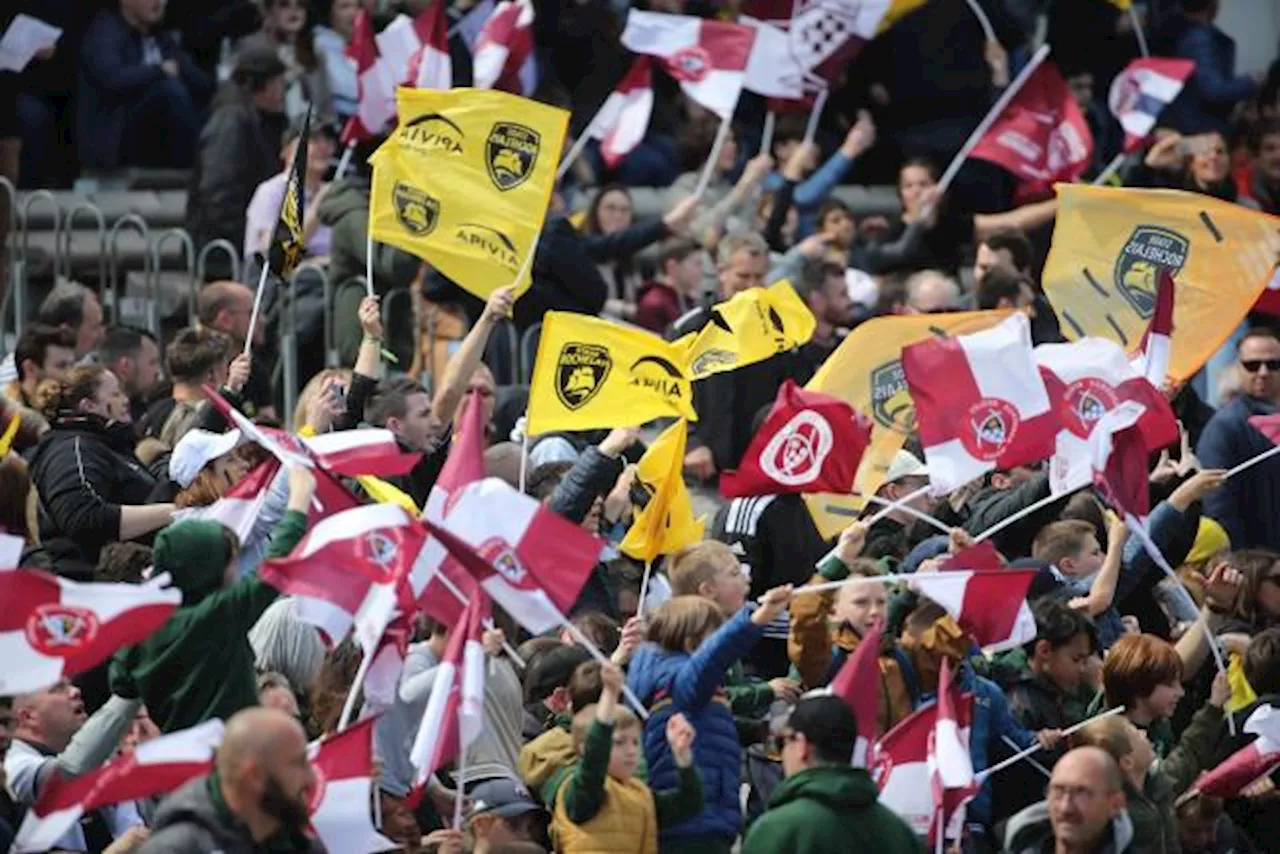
199,665
833,809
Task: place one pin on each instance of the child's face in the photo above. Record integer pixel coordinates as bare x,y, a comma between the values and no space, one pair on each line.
626,753
860,605
1086,563
1164,700
729,587
1067,665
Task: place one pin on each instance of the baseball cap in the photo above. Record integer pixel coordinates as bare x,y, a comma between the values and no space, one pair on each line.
905,464
197,449
503,796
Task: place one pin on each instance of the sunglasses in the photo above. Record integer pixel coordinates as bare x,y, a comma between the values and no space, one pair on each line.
1255,365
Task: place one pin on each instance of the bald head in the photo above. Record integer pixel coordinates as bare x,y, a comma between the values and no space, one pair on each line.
503,461
264,771
226,307
1086,792
252,736
930,291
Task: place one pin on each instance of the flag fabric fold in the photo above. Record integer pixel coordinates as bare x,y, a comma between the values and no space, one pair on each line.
1140,93
454,713
430,66
950,763
1155,350
376,106
665,524
1256,759
708,58
857,682
990,606
623,120
754,325
342,800
288,242
503,54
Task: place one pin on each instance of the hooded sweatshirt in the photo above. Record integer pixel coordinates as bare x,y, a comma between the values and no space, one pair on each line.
200,665
1029,832
829,808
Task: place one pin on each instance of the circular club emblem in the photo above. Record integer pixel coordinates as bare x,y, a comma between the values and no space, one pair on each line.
689,65
317,791
60,630
1087,400
795,454
989,428
382,552
499,553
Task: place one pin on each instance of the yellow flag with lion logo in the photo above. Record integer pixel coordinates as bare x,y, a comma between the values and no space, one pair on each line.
591,374
1110,246
464,183
865,371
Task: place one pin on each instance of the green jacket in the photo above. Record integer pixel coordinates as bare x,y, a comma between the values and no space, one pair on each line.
199,665
833,809
1152,809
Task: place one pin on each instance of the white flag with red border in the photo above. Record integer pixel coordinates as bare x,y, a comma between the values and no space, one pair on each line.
503,55
708,58
342,799
239,507
430,66
52,628
900,764
454,714
622,121
154,768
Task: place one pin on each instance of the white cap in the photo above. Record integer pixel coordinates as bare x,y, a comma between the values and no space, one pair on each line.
196,450
905,464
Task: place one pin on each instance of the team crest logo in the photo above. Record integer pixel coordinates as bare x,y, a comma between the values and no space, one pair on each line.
317,792
382,553
510,154
1149,250
795,454
580,373
60,630
501,556
689,65
989,429
1087,400
416,210
891,403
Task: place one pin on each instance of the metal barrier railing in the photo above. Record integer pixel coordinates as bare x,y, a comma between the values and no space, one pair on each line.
65,236
112,290
153,284
289,332
202,261
20,291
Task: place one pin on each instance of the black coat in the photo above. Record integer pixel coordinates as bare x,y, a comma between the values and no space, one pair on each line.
84,472
990,505
1256,819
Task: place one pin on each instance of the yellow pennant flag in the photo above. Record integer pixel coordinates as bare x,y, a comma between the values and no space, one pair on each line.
752,326
384,493
464,183
865,371
666,523
1242,693
591,374
1110,246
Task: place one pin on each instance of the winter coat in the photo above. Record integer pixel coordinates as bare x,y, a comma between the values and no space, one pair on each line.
990,505
829,808
1247,507
1029,832
1212,92
677,682
84,471
195,820
200,665
658,306
1036,703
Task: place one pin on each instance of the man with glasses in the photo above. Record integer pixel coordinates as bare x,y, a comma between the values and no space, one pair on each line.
825,804
1083,813
1248,504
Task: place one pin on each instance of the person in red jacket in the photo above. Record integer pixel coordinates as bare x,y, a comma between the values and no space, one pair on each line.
662,301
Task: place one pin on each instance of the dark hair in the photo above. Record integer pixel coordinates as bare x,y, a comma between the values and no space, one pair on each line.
1255,565
551,670
1197,7
675,249
997,285
600,629
695,140
1258,332
64,395
122,341
15,495
1265,128
592,223
790,127
1085,507
304,47
1059,625
122,562
193,353
829,726
1013,241
390,399
35,343
920,163
64,306
1262,662
545,478
585,685
329,691
814,275
831,205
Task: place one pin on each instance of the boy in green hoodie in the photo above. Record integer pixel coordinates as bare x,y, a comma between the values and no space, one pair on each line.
825,804
199,665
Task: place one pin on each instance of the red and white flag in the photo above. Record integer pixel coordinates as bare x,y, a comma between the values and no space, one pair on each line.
11,549
1119,459
455,711
622,121
238,509
369,450
154,768
991,606
377,87
1042,137
901,767
530,560
858,684
708,58
1156,348
383,677
430,66
981,404
1256,759
1086,379
505,48
1141,92
342,799
951,774
809,442
52,628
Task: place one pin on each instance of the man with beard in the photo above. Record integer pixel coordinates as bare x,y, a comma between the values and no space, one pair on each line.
257,797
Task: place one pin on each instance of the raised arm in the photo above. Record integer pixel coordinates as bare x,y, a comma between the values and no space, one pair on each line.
453,385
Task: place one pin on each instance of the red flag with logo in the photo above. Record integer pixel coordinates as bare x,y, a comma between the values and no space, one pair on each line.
708,58
810,442
858,684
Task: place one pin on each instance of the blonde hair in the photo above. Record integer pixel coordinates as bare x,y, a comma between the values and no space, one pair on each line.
698,564
623,719
684,620
312,388
1111,735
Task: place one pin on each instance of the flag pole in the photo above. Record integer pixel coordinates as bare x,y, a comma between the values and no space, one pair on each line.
344,162
644,587
815,116
349,707
459,791
579,145
990,118
1138,33
524,453
766,136
823,587
933,521
988,32
1112,168
1017,517
982,776
1253,461
722,135
487,622
585,642
257,301
368,260
900,504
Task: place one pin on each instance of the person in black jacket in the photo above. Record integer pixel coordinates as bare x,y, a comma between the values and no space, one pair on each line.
1005,493
92,489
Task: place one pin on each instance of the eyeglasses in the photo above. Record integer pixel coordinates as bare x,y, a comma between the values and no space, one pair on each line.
1255,365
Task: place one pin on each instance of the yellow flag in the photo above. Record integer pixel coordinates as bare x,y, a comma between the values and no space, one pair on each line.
865,371
1242,693
464,182
752,326
591,373
1110,245
384,493
666,523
